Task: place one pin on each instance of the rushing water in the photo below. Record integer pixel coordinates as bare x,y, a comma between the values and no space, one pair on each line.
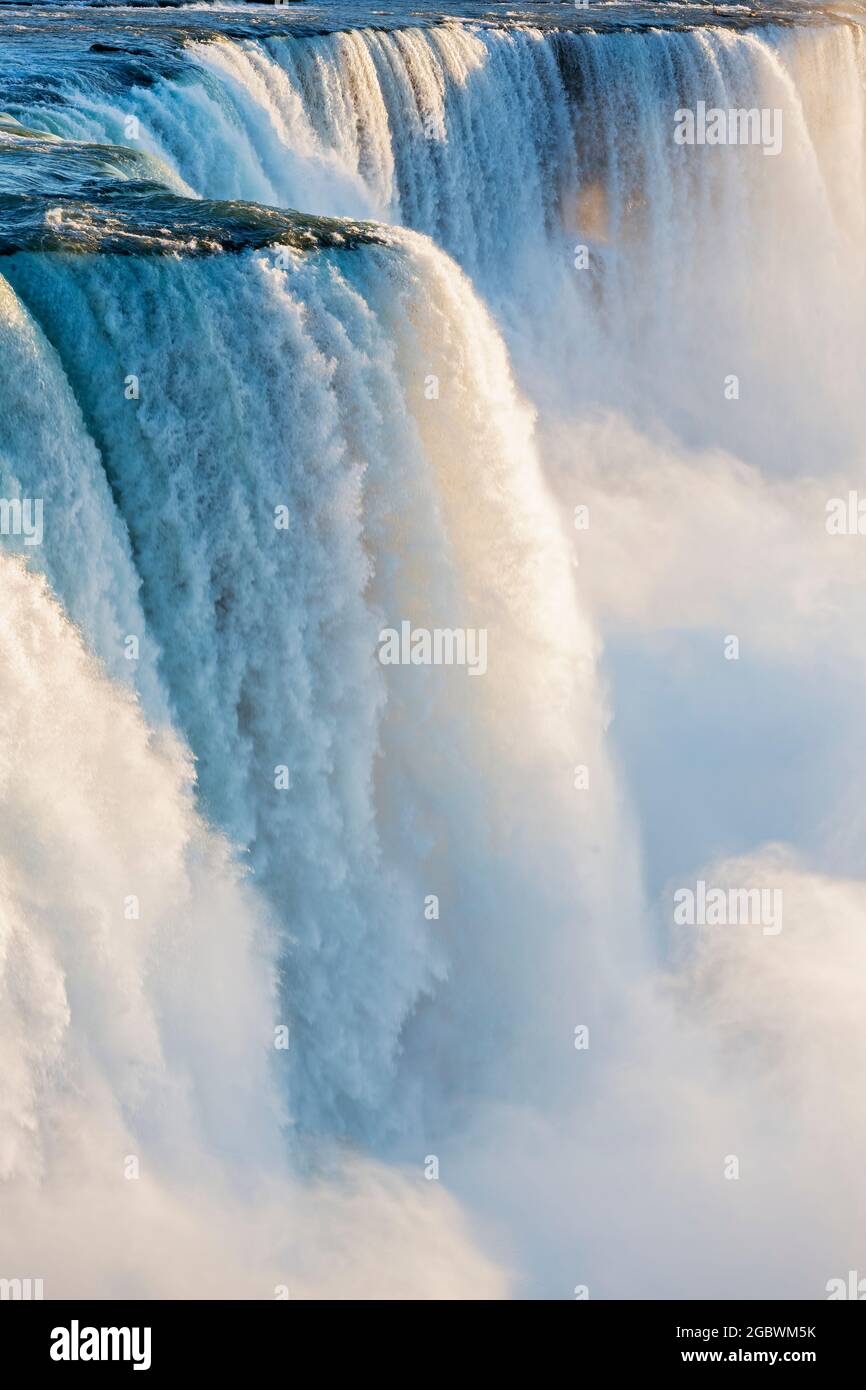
296,342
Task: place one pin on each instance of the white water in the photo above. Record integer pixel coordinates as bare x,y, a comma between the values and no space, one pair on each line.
266,639
148,1041
511,148
305,387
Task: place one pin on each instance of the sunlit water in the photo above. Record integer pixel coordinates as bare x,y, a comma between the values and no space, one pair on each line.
428,280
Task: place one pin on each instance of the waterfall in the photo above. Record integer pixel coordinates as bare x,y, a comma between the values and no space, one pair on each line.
513,148
305,336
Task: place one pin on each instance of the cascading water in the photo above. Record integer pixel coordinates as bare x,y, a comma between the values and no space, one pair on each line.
265,636
508,147
262,435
